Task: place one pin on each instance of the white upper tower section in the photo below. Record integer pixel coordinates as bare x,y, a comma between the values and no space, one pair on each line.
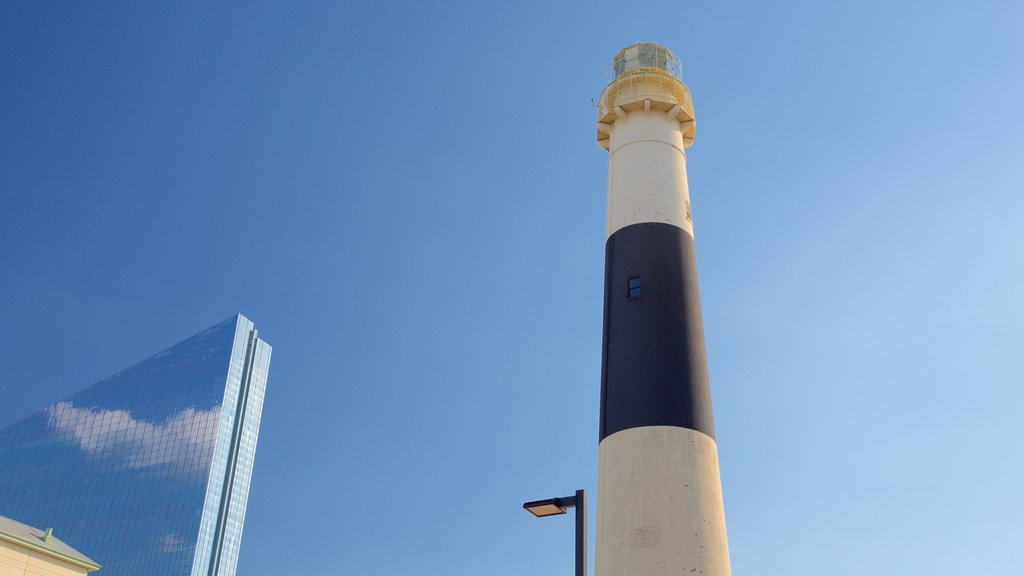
645,121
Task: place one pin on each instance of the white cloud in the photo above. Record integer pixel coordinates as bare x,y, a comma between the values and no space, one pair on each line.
184,442
172,543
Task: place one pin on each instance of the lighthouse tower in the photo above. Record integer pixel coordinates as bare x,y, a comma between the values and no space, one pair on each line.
659,501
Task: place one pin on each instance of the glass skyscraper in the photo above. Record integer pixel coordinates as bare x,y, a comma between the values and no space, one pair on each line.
148,471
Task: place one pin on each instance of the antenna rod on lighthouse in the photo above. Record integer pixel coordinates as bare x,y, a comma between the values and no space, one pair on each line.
659,496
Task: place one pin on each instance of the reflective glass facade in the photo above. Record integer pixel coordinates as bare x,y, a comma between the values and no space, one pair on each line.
148,471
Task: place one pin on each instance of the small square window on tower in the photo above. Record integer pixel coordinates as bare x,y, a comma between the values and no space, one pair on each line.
633,290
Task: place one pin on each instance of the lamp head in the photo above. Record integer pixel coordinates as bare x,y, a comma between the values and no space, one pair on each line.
550,506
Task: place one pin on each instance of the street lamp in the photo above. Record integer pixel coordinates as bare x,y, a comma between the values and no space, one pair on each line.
557,506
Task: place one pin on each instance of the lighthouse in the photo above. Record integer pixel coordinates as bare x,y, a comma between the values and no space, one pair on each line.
659,495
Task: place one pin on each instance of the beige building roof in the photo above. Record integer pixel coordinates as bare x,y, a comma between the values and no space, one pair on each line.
36,540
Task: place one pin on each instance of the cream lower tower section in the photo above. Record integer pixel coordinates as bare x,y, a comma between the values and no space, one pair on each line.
659,501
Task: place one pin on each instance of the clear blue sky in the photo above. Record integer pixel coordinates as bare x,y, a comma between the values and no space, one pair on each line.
408,200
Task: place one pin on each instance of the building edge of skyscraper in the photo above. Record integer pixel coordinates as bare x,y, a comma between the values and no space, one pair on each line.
225,503
659,508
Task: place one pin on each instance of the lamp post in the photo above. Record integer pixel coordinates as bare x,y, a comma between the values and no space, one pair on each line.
557,506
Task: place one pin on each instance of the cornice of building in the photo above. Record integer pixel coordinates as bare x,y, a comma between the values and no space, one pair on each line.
89,565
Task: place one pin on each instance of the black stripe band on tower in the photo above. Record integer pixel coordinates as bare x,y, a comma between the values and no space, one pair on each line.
654,370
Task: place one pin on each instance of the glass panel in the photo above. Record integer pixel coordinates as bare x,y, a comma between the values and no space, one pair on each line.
644,55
